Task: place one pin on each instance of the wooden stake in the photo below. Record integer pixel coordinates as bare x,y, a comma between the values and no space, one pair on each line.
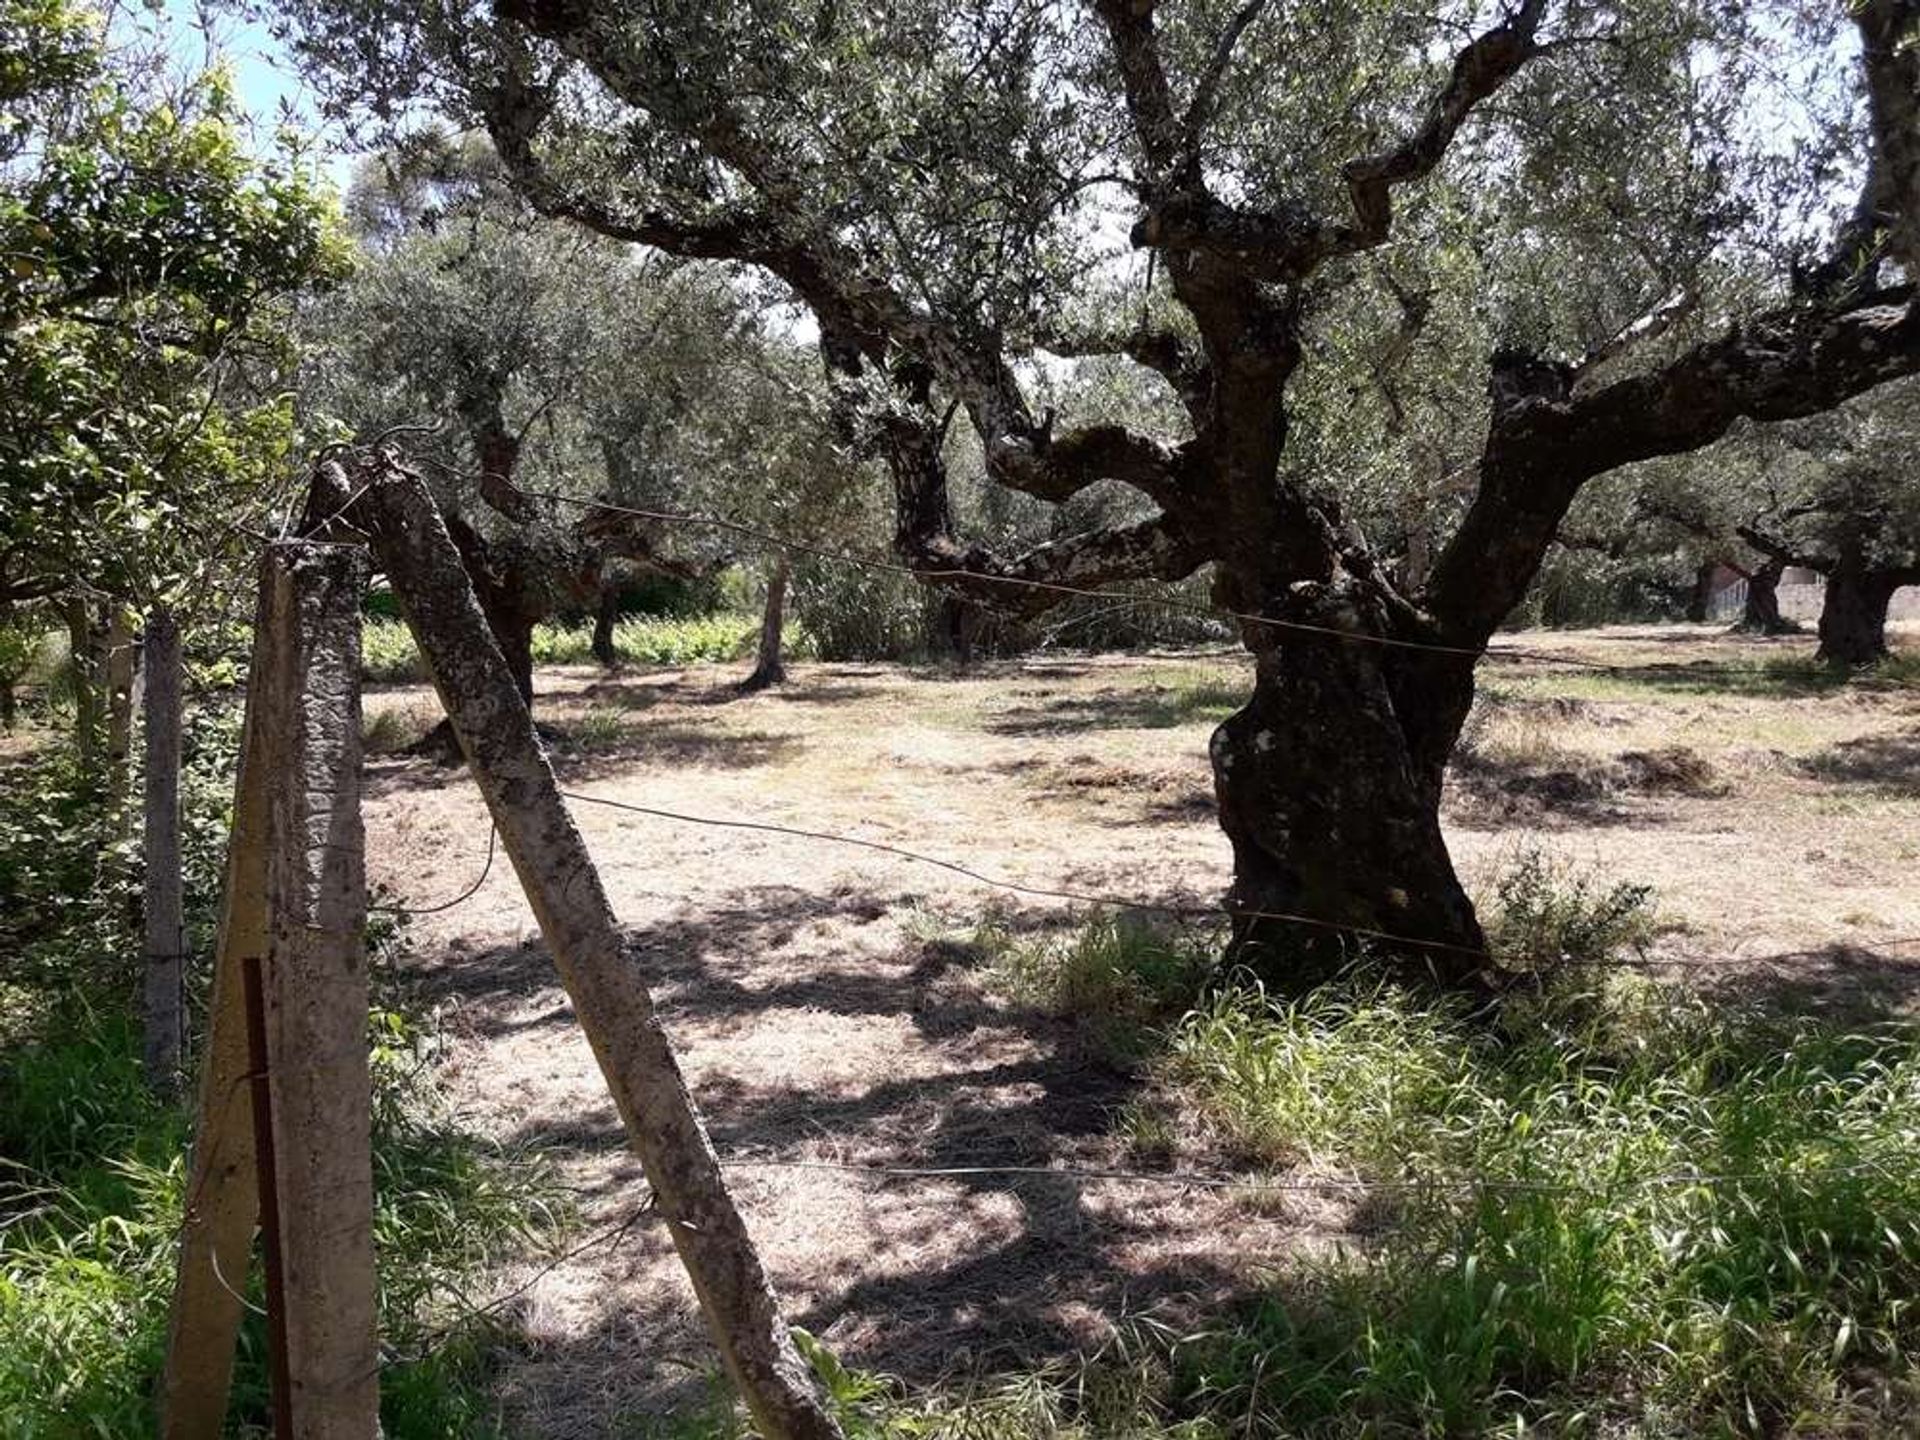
608,991
162,899
223,1201
297,910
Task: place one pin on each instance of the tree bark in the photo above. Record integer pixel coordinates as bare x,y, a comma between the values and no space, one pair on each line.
596,966
605,618
162,898
1853,615
1700,598
768,667
509,597
1761,614
82,663
1328,784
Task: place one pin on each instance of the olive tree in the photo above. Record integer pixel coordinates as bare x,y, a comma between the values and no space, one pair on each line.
945,188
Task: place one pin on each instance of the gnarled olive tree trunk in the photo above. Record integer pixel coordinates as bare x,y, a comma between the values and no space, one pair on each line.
1853,614
606,616
1761,613
1328,783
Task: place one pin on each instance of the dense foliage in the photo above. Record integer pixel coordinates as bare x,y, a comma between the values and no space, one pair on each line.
143,364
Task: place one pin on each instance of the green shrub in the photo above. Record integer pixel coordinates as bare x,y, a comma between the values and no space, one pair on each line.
1118,973
92,1178
854,613
388,655
650,640
1548,915
1527,1273
92,1167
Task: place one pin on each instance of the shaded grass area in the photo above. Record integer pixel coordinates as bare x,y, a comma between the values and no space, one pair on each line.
91,1193
92,1163
1620,1210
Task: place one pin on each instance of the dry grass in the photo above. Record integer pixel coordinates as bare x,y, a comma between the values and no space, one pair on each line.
830,1006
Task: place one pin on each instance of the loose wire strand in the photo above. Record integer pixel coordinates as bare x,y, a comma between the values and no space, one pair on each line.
1119,902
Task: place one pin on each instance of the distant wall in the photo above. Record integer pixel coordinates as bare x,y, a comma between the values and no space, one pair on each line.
1801,600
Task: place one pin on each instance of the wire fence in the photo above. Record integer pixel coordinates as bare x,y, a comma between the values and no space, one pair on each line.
948,575
1178,910
1617,1185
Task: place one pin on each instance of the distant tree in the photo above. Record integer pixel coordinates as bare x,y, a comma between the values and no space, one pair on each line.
568,369
940,186
1837,495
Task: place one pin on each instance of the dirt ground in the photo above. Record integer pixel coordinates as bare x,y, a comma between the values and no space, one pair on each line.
827,1014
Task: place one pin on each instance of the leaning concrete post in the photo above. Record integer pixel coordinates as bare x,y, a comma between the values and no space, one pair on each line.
609,993
223,1200
296,905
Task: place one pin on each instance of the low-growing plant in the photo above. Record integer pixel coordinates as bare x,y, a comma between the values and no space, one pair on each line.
387,653
92,1185
1118,973
1634,1207
1548,915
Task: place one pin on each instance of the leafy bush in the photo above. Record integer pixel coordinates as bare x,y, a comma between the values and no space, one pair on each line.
1529,1272
854,613
389,656
92,1165
92,1179
650,640
1548,915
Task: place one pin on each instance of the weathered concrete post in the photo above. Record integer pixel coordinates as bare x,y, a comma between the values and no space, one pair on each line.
296,900
609,994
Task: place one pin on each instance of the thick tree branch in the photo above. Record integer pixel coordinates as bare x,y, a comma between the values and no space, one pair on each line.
1136,47
1488,62
1643,330
1778,548
1545,441
1038,579
1059,468
1886,218
1206,92
1288,244
1162,351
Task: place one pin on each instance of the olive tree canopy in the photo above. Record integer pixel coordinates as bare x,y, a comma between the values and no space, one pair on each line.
1239,197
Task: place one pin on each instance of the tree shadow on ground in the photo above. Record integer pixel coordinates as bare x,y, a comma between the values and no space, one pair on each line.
973,1265
1134,707
590,750
1886,764
1780,677
970,1274
1858,983
1573,793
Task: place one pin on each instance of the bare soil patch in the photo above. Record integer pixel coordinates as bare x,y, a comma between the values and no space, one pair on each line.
827,1015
